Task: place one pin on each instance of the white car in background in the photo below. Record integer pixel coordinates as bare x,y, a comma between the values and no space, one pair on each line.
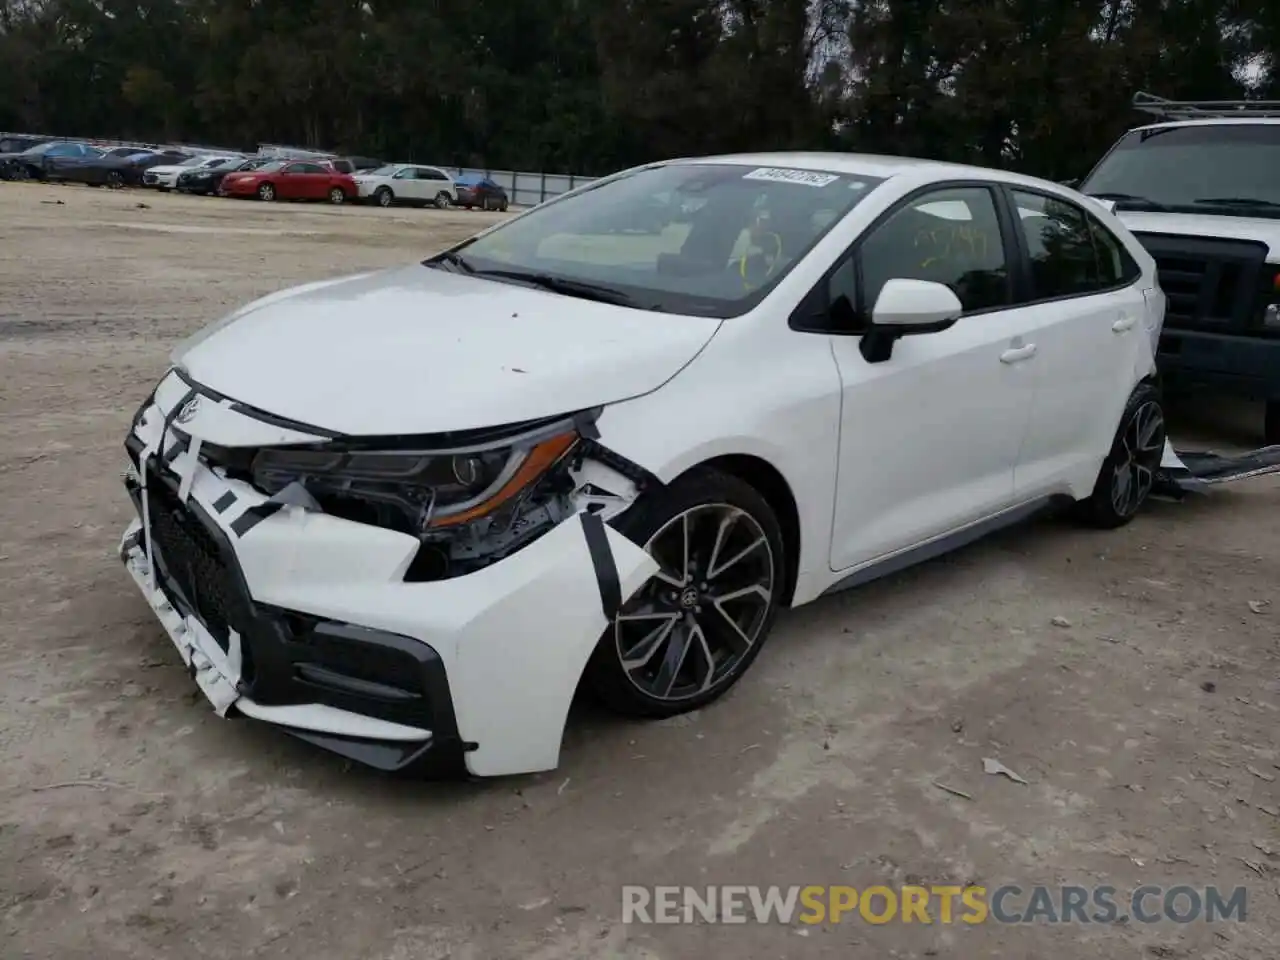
402,515
166,177
406,183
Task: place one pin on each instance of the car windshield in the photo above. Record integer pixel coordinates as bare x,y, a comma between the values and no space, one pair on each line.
695,238
1225,168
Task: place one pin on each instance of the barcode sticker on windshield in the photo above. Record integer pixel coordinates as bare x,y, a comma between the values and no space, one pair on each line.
808,178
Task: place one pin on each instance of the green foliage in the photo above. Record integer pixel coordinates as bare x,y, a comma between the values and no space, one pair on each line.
593,85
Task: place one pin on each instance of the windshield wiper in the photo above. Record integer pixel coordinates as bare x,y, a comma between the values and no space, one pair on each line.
1129,199
454,259
581,289
1238,202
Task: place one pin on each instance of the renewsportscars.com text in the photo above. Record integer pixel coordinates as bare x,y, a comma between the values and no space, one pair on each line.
935,904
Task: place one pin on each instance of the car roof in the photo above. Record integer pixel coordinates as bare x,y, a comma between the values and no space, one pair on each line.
1210,122
868,165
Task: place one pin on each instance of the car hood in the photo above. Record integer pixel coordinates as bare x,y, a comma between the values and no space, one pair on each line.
167,168
1258,229
418,350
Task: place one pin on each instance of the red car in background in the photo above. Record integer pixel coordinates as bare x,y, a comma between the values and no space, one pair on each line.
290,180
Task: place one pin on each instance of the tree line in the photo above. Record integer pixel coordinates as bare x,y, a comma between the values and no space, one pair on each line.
591,86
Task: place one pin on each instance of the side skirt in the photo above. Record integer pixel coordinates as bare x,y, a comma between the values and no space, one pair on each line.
941,545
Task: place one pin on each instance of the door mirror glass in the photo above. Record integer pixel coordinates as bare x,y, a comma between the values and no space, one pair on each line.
915,306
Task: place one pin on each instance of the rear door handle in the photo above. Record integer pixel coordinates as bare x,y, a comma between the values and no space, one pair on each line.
1018,354
1124,324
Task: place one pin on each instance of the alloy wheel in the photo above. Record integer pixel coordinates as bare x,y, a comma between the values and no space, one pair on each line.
384,198
336,195
1142,448
690,626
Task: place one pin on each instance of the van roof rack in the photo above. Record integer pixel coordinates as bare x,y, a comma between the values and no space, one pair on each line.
1206,109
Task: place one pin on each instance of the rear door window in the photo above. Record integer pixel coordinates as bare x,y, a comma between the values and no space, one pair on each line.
1070,253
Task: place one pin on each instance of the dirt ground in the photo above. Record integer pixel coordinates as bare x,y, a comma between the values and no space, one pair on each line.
1131,678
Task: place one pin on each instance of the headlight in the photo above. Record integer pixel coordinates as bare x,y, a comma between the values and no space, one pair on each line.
428,489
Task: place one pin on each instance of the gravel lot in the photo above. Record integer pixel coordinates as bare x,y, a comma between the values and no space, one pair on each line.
1126,676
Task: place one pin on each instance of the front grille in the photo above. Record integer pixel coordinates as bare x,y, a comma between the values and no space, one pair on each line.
1211,284
193,563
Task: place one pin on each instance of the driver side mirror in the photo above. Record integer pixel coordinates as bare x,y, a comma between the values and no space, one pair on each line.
908,308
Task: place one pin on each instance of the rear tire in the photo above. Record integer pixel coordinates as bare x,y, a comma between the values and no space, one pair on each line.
1128,473
442,201
691,632
114,179
337,196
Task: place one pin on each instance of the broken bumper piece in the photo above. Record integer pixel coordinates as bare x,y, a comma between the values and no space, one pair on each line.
1186,472
306,621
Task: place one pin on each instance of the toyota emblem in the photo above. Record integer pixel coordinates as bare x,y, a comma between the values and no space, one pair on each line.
188,411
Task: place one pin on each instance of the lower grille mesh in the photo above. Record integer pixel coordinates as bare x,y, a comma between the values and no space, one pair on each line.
190,557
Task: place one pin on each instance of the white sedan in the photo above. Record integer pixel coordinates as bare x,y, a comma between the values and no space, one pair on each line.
403,515
166,177
406,183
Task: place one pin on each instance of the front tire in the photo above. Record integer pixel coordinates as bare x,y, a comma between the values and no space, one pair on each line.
266,193
693,630
1128,473
384,196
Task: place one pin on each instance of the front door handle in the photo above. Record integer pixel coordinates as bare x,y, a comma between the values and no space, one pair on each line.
1123,325
1018,354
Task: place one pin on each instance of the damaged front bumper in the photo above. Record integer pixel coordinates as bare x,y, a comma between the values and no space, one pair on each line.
306,621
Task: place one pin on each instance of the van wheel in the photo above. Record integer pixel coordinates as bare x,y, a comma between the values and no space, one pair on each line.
690,633
1129,470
